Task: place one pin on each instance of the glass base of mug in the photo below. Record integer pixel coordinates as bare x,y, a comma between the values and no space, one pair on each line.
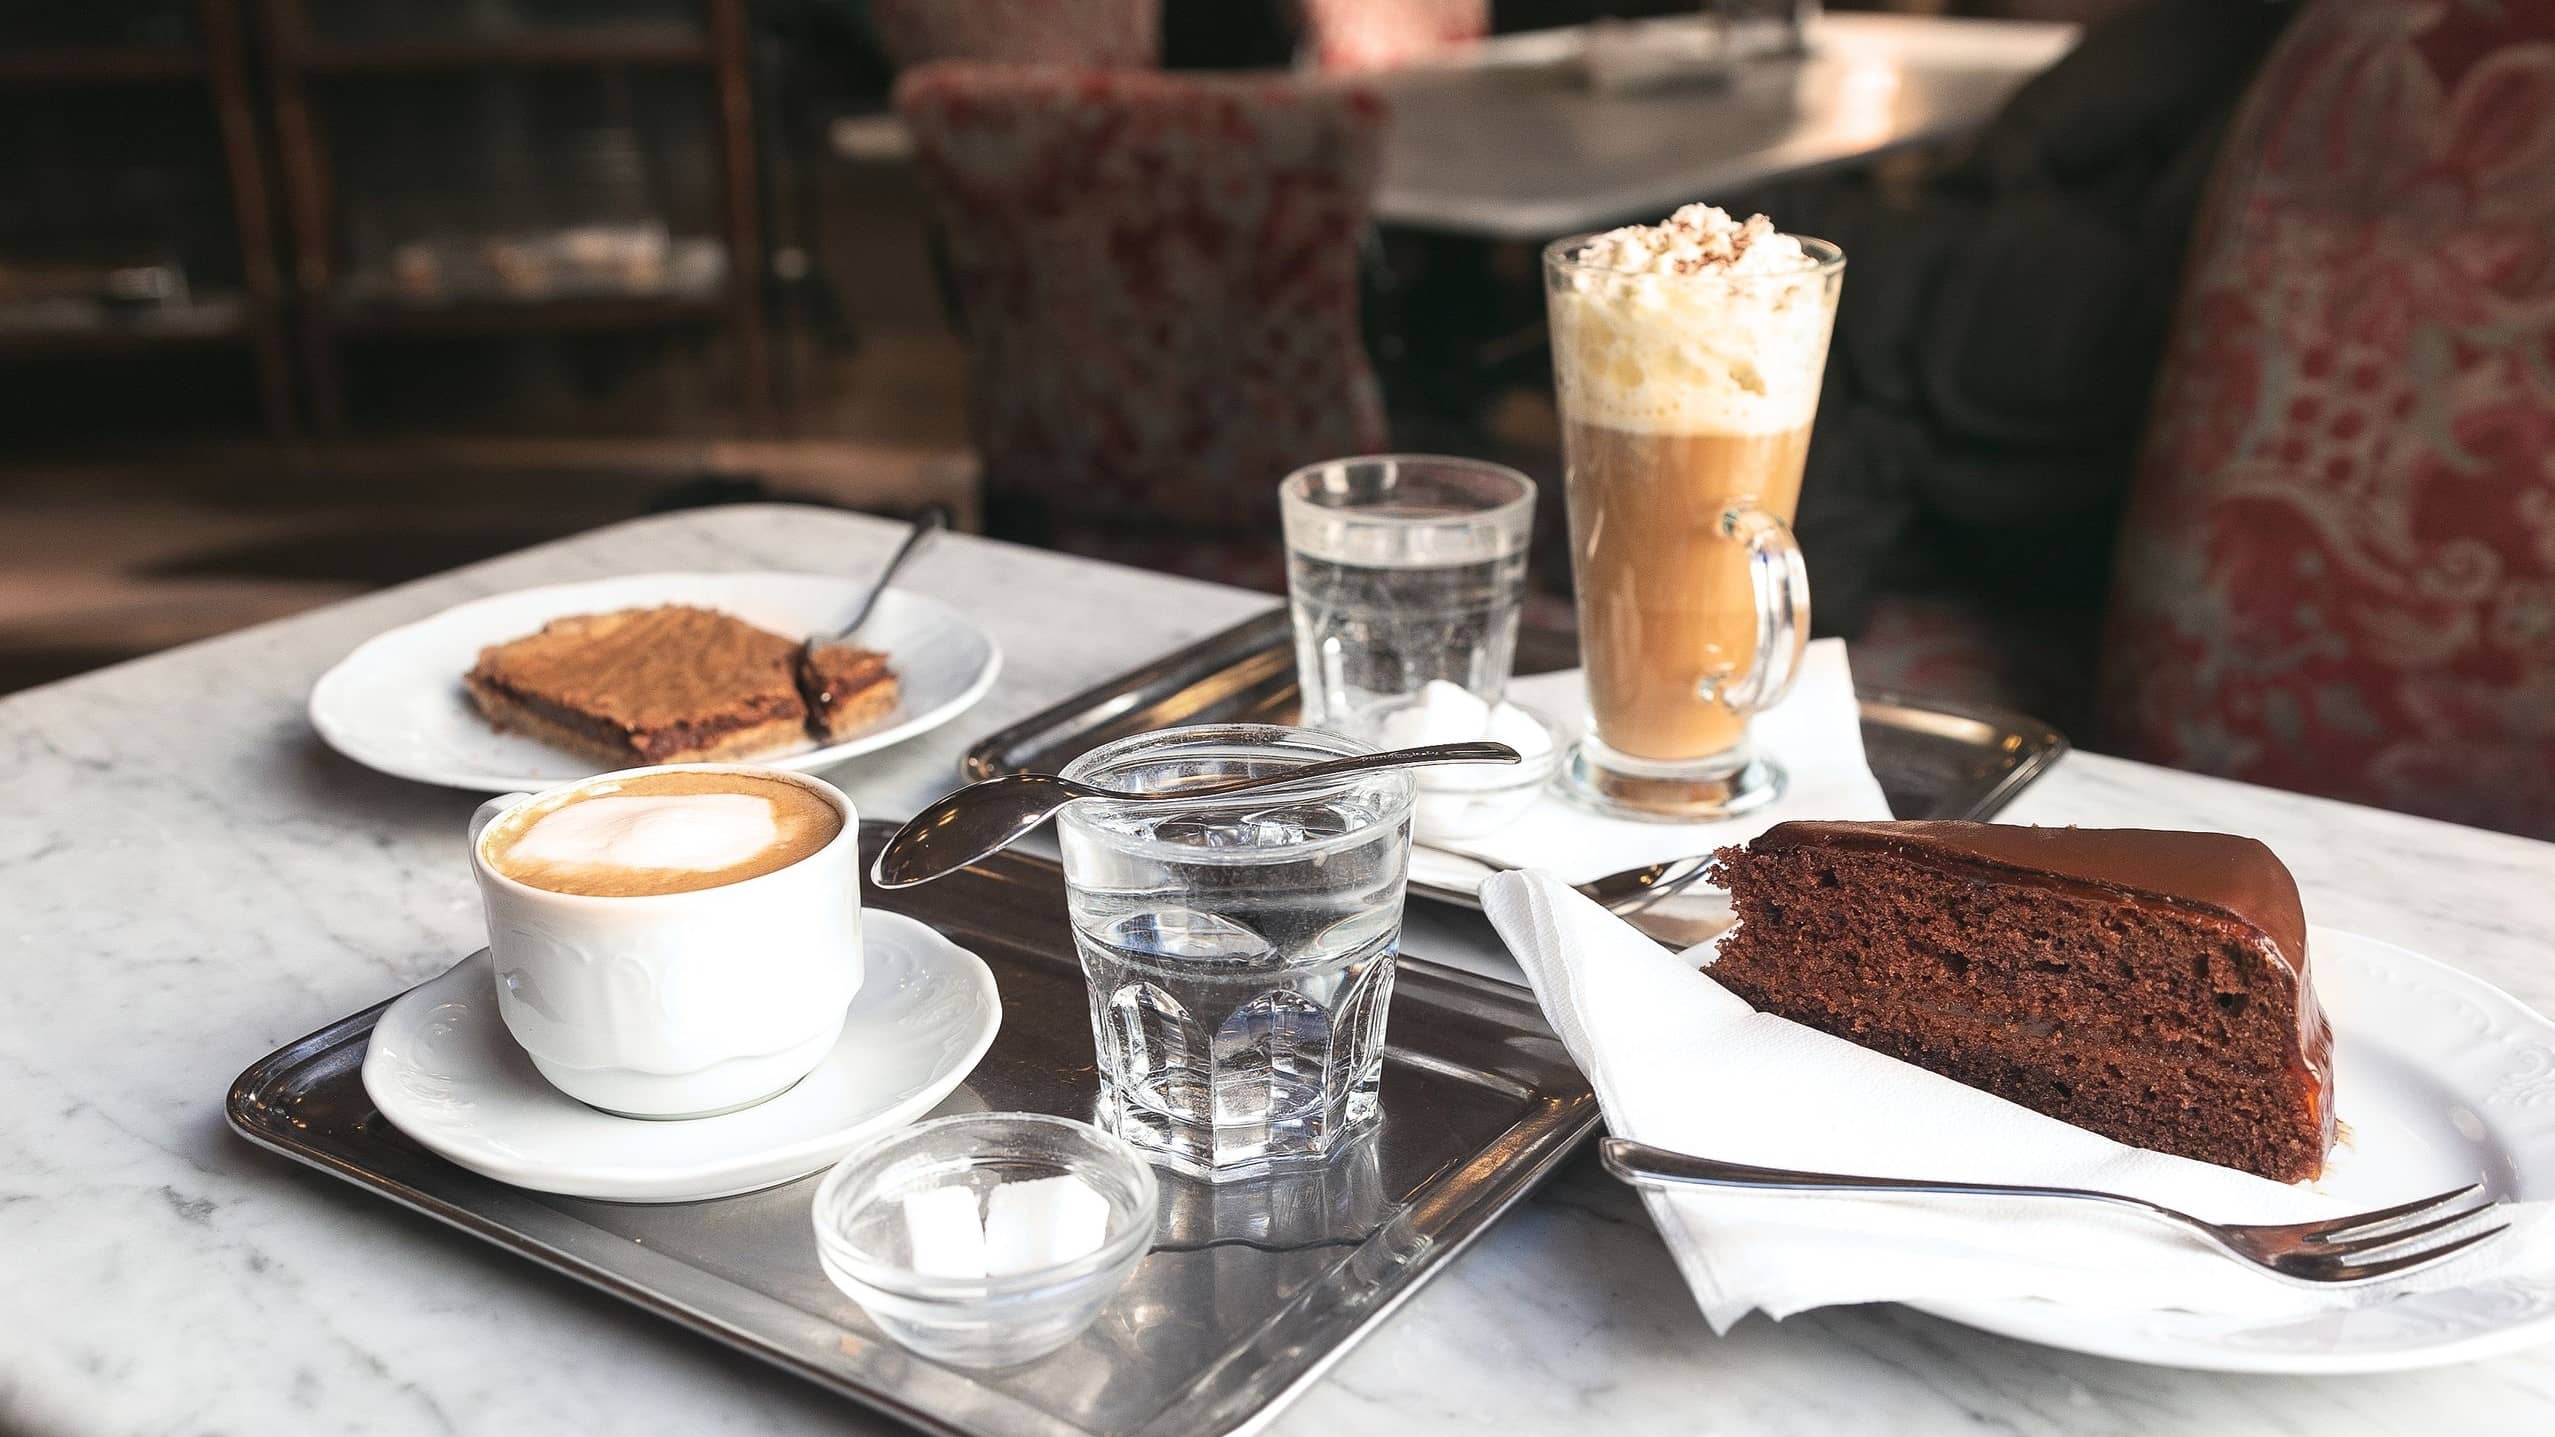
1724,785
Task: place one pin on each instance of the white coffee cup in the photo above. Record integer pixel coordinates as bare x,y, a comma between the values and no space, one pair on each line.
678,1005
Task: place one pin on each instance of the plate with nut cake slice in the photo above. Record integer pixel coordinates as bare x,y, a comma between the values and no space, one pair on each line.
545,686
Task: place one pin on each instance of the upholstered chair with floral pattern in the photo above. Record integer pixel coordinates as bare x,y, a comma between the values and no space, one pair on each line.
2337,573
1159,283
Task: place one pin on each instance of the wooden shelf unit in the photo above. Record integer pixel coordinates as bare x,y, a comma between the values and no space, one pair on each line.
298,59
83,66
658,45
140,333
220,64
499,316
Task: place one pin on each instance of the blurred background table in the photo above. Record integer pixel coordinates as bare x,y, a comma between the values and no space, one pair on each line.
1507,140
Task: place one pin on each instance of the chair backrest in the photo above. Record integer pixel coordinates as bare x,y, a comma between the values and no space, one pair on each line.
2337,572
1158,280
1033,32
1379,34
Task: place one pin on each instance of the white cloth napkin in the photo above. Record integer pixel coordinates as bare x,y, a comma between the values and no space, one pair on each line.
1815,734
1679,1061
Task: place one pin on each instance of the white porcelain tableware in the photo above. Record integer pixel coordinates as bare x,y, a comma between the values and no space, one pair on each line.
443,1070
396,704
677,1005
2440,1078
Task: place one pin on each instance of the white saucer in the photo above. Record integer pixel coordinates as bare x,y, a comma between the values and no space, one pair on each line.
396,703
444,1070
2440,1079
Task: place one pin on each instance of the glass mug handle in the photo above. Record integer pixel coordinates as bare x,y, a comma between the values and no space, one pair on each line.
1781,584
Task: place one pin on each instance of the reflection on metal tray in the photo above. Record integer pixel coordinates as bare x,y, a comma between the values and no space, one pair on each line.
1251,1289
1934,759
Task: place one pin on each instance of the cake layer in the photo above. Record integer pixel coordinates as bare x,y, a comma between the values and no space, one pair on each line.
2148,986
2232,1117
847,689
2219,872
722,736
2084,958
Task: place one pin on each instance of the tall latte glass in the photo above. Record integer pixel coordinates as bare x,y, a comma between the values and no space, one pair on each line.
1687,359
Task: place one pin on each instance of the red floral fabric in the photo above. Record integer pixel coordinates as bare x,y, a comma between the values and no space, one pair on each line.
1379,34
1034,32
1159,280
2338,570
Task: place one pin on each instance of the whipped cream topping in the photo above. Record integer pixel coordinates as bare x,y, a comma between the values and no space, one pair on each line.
698,832
1703,324
1694,239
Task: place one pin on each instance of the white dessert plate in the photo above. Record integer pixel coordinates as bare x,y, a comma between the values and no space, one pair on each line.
2439,1079
444,1070
396,703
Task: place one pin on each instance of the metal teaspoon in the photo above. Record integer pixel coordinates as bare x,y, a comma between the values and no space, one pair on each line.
985,818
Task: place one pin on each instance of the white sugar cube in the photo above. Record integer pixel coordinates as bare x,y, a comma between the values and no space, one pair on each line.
942,1228
1043,1222
1453,710
1440,712
1521,731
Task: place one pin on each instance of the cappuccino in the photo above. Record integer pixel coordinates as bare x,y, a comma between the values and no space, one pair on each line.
657,833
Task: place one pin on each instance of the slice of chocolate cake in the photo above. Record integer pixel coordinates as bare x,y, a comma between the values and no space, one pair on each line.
2149,986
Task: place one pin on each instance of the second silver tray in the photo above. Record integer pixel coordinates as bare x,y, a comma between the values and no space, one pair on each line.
1934,759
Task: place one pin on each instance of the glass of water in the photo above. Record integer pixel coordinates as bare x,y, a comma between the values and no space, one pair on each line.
1239,950
1401,569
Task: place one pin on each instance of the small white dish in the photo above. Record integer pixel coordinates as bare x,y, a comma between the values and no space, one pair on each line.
867,1246
2440,1079
396,703
443,1069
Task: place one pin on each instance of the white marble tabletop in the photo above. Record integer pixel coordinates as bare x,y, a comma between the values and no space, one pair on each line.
1507,141
188,880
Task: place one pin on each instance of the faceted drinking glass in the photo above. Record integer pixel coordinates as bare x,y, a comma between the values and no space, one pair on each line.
1402,568
1239,950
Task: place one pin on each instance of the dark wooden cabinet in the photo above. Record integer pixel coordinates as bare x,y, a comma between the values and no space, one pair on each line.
416,190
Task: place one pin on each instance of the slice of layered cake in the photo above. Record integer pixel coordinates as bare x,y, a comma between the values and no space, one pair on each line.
847,689
2149,986
671,684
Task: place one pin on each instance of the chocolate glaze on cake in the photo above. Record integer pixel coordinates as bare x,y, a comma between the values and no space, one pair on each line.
2152,986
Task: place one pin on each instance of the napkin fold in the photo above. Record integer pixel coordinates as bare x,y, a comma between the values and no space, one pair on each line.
1679,1061
1815,734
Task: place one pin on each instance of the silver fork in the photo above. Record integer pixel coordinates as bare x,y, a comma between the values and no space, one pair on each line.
2332,1251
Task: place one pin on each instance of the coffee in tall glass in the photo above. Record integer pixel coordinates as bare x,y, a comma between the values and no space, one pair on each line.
1687,358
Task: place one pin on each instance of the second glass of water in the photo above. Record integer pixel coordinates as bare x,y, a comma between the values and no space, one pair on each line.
1403,568
1239,950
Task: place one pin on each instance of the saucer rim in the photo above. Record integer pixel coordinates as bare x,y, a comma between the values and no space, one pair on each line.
935,952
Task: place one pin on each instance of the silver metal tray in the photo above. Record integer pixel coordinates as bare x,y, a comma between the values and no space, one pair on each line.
1933,759
1250,1291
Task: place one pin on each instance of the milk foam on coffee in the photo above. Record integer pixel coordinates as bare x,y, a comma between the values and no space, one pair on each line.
1702,324
668,832
702,832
